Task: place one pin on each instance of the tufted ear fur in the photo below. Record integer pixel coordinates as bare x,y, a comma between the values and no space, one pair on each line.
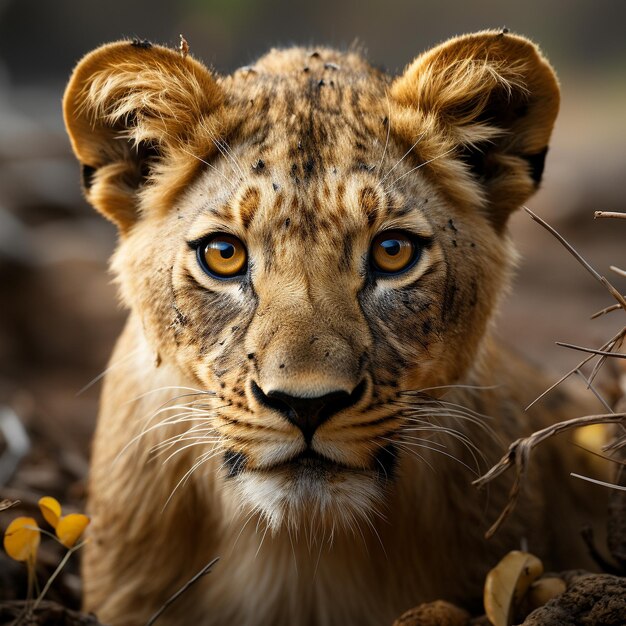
493,98
133,111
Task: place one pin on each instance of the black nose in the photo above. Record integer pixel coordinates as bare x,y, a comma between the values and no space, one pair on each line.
308,414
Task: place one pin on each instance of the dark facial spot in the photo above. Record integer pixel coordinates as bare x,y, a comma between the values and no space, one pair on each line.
235,462
287,222
309,166
451,224
250,355
275,186
321,83
473,299
314,55
454,242
259,166
450,307
281,366
180,319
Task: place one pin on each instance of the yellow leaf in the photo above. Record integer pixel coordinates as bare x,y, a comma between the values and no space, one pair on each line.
21,539
507,583
70,528
51,510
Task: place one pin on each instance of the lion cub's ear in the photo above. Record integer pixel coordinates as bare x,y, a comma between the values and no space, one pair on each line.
495,98
134,110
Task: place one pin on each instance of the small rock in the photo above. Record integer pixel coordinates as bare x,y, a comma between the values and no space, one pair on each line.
597,600
437,613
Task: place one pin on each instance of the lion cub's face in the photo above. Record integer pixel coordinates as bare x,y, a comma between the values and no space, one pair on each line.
313,251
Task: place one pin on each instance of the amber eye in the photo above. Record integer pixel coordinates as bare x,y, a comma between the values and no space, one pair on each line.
393,252
223,256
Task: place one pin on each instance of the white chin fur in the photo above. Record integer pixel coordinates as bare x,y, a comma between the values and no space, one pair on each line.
294,497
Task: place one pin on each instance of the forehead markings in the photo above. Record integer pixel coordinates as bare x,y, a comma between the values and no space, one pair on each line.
370,204
248,205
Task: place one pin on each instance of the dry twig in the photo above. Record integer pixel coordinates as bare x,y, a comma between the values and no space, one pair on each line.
617,214
203,572
519,451
519,454
618,355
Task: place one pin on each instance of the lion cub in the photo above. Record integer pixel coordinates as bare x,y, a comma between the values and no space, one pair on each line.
311,253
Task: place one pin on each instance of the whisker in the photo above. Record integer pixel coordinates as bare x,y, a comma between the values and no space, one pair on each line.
453,386
417,167
166,388
224,151
410,450
382,180
203,441
203,458
111,367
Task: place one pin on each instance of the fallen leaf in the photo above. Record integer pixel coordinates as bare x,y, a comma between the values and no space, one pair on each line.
507,583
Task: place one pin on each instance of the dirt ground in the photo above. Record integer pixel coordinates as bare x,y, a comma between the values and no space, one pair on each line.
59,315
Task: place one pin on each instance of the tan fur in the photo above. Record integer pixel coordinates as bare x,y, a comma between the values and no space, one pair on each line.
306,156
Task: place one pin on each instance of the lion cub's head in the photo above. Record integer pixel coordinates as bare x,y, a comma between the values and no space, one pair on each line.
311,240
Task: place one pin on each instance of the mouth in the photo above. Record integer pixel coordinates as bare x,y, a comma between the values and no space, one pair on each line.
312,464
311,461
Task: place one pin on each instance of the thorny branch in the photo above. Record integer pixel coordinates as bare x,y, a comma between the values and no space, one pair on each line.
519,451
614,292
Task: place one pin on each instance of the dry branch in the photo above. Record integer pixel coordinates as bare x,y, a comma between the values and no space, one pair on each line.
614,292
519,451
572,346
519,454
203,572
617,214
606,310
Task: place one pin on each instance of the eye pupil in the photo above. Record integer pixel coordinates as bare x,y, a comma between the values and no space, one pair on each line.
391,246
227,250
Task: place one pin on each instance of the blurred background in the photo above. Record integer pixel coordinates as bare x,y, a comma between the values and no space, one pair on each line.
58,311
